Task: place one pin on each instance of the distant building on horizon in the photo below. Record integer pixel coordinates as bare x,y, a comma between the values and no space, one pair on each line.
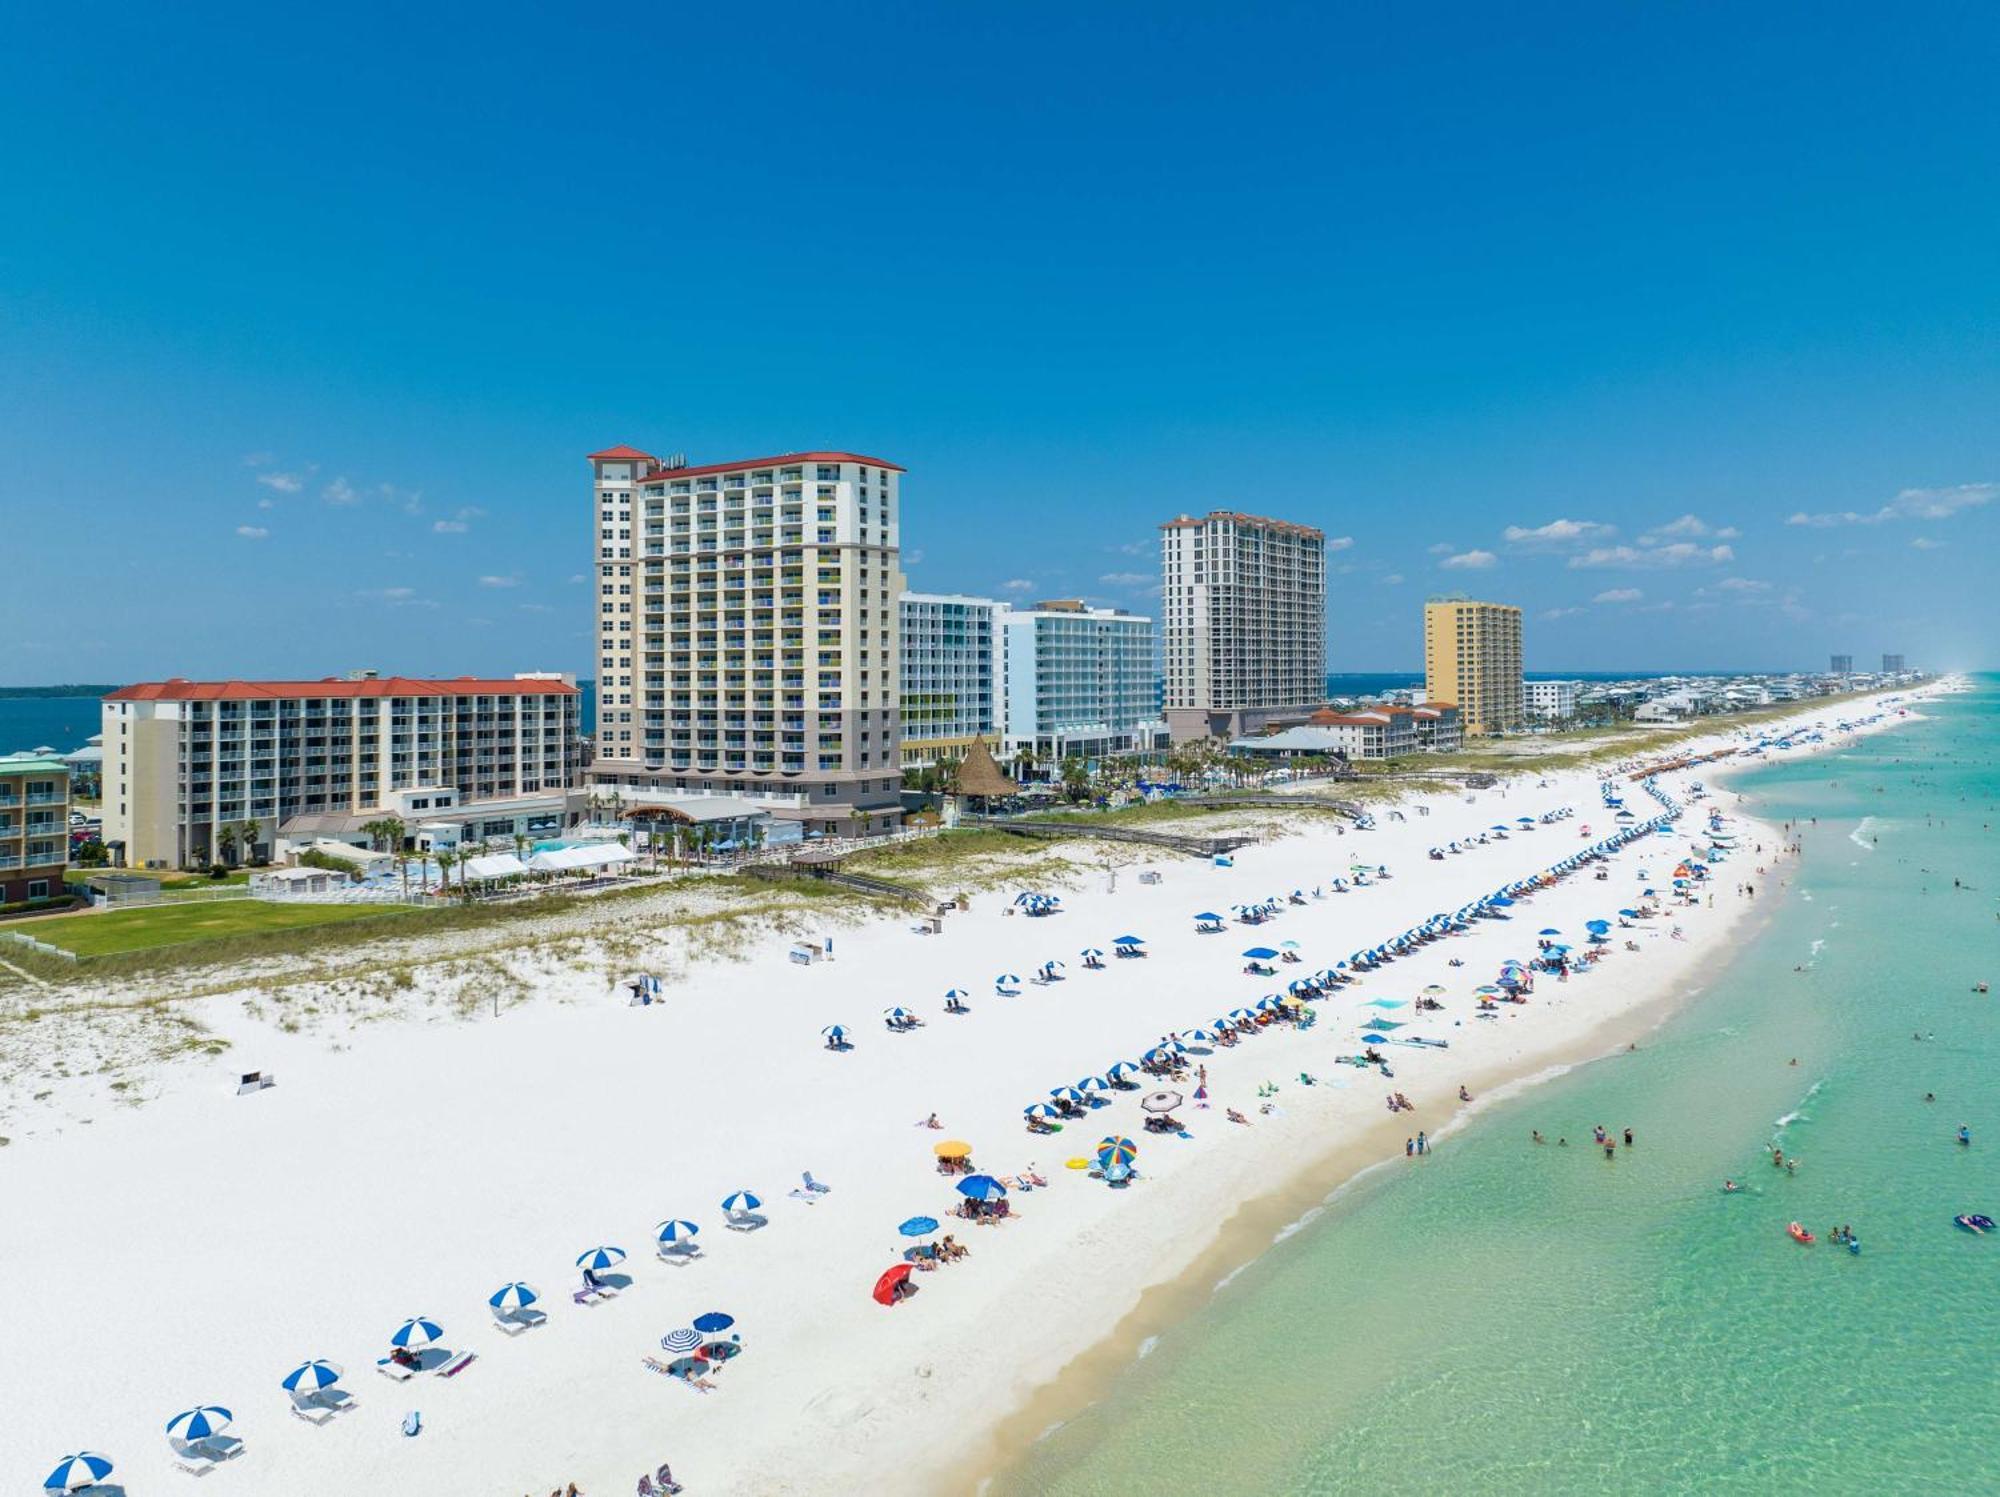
1472,658
1891,664
1842,665
949,676
747,633
1243,616
185,761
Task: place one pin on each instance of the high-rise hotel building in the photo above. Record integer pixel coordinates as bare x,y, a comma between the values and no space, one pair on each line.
1472,657
747,632
1243,609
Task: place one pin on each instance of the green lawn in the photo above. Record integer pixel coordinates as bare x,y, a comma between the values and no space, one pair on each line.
179,924
167,881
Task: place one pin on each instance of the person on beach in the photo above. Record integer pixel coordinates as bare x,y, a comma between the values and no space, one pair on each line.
1964,1135
1536,1135
1730,1187
1409,1148
1628,1138
1562,1143
1423,1144
1777,1157
1610,1148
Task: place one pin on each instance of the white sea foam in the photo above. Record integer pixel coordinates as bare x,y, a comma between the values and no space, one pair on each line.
1859,836
1146,1346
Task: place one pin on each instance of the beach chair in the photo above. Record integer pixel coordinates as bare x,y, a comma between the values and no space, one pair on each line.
745,1221
457,1364
513,1322
814,1186
800,1193
394,1371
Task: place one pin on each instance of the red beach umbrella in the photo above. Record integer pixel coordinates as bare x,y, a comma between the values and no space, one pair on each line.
885,1287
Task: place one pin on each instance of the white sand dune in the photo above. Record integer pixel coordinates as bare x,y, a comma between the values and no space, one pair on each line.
193,1250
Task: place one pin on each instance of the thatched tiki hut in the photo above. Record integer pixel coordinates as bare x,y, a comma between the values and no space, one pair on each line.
979,779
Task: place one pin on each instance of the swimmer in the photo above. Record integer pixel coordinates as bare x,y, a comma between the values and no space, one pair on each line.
1536,1135
1964,1135
1930,1096
1730,1187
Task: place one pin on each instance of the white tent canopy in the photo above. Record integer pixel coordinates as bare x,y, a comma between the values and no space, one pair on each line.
496,865
575,859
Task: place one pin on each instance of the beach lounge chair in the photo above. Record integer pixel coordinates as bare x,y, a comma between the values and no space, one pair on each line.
800,1193
814,1186
646,1487
394,1371
457,1364
513,1322
745,1221
322,1404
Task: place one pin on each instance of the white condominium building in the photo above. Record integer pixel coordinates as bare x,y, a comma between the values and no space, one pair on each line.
1550,700
950,676
1243,606
185,760
1075,680
747,632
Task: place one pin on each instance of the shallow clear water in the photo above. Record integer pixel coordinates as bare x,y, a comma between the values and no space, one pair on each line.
1504,1317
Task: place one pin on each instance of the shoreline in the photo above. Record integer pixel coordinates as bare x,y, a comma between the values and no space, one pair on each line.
1263,1222
571,1118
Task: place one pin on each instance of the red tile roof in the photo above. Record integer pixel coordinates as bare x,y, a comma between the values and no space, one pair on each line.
782,460
178,690
621,453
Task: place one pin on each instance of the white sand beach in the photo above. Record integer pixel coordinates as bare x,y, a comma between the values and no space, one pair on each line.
194,1249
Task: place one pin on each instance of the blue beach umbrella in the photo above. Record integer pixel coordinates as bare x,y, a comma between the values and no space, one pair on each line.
416,1332
1373,1039
75,1472
1128,941
919,1226
897,1013
958,993
515,1296
1092,1084
835,1032
981,1188
598,1259
1210,917
713,1322
1006,980
741,1200
1039,1110
1548,930
1260,953
198,1423
676,1230
310,1377
1088,952
680,1342
1066,1093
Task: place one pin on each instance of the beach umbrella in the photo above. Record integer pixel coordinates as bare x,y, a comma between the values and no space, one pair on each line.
1209,916
1196,1036
1528,820
1117,1151
75,1472
897,1013
1548,930
416,1332
834,1032
1006,980
1066,1093
1161,1102
1119,1069
956,993
1433,989
741,1200
310,1377
1040,1110
680,1342
1288,945
952,1148
1374,1039
198,1423
1630,914
1260,953
713,1323
1092,1084
1292,1000
1128,941
884,1292
1089,952
675,1230
919,1226
981,1188
598,1259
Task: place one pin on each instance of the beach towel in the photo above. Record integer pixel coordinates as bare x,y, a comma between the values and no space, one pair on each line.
413,1423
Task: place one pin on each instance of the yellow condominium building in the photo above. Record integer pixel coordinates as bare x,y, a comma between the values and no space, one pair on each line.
1472,657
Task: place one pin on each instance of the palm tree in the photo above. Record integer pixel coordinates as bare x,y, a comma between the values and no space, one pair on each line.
445,858
251,827
225,843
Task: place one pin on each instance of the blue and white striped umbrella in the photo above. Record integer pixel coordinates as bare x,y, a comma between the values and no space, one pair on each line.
75,1472
1090,951
598,1259
416,1332
897,1013
834,1032
1091,1084
1006,980
676,1230
1066,1093
310,1377
1040,1110
958,993
514,1296
681,1341
742,1200
199,1423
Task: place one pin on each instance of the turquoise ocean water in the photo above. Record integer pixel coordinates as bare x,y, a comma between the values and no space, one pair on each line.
1519,1319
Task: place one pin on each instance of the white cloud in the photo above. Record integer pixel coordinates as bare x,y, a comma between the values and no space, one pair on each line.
1550,615
341,492
410,501
1469,561
1742,586
1691,527
1339,542
491,581
1443,548
252,532
1139,548
284,483
1556,533
1017,585
1392,579
449,527
1925,543
1909,504
394,593
1674,554
1126,579
267,504
1619,595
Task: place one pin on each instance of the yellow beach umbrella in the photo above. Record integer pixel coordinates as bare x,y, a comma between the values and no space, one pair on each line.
953,1148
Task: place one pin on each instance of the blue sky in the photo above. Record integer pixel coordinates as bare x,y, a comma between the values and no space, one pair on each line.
1674,325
